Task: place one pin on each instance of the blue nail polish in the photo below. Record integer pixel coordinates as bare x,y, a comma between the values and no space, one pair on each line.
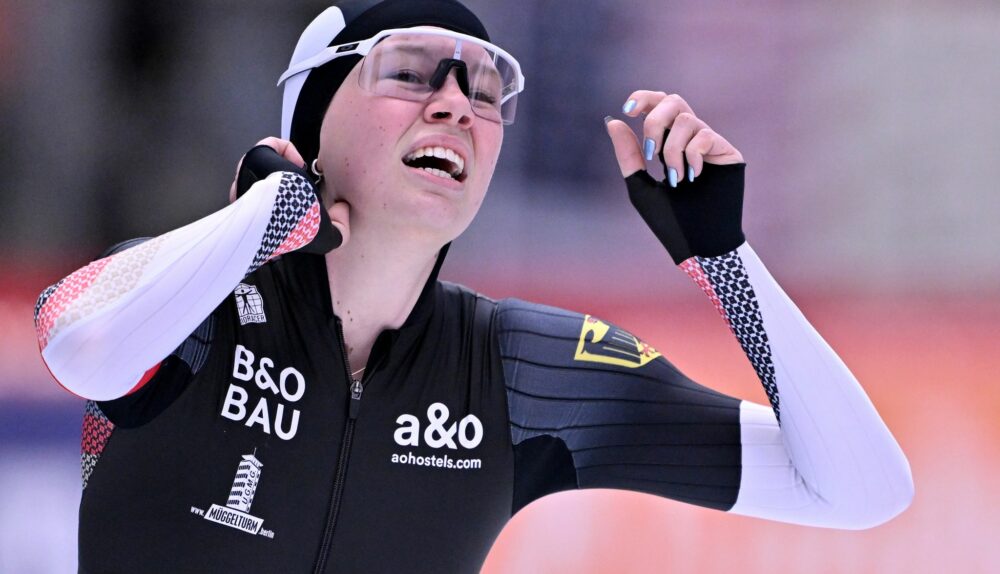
628,107
648,147
691,174
672,174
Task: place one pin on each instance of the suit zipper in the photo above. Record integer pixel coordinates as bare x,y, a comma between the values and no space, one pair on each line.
340,474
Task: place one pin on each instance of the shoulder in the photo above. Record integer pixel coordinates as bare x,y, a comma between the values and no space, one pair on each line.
459,306
550,335
518,315
457,291
452,294
538,333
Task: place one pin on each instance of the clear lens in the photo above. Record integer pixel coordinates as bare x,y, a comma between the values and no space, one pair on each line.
403,65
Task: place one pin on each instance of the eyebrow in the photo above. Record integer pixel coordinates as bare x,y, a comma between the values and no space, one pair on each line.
414,48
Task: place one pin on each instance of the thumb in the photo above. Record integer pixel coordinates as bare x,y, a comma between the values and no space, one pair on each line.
627,149
340,217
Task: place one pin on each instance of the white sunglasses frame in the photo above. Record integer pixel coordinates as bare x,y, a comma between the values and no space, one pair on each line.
363,47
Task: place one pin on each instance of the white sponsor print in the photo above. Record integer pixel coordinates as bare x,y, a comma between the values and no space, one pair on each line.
249,304
436,461
236,512
437,434
290,386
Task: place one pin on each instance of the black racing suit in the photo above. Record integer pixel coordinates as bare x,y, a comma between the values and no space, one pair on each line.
250,449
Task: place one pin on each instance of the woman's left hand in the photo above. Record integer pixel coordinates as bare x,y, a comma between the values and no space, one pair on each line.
689,137
696,211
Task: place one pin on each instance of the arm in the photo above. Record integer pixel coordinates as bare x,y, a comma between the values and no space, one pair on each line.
638,423
104,326
831,461
592,406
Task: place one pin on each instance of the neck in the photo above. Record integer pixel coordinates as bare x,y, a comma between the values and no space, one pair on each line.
374,286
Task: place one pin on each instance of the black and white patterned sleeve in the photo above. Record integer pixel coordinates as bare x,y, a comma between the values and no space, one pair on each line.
592,406
821,454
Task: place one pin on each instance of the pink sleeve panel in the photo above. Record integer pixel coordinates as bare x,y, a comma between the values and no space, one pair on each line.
104,326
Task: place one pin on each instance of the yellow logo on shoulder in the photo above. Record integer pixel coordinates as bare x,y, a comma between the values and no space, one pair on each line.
602,343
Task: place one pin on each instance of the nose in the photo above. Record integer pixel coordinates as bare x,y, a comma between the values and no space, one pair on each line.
450,105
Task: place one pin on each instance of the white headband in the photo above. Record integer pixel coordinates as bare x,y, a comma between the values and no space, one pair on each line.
317,36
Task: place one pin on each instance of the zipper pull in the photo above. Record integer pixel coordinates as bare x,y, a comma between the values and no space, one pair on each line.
356,389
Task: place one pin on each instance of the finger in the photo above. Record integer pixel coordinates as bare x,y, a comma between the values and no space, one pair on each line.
709,147
232,186
626,147
641,101
684,127
278,145
696,149
722,152
293,155
713,148
285,149
660,119
340,216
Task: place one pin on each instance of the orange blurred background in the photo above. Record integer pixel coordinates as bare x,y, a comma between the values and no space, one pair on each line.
929,365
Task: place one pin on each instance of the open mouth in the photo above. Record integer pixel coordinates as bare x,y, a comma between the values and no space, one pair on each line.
439,161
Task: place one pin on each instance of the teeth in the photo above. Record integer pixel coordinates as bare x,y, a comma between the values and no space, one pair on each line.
437,172
442,153
453,158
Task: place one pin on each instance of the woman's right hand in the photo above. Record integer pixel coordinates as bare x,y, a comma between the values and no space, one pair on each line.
339,212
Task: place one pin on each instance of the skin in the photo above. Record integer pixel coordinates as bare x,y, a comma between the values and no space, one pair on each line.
362,142
395,222
689,137
399,218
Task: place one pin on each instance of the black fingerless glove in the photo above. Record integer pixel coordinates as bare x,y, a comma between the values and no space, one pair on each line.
260,162
702,218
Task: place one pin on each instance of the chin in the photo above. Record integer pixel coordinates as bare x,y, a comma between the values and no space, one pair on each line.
438,230
448,213
439,223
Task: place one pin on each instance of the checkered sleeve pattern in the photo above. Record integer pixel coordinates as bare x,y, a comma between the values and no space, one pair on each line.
726,282
90,289
44,297
294,221
97,430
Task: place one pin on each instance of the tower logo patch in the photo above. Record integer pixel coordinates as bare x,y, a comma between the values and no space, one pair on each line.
602,343
236,512
250,304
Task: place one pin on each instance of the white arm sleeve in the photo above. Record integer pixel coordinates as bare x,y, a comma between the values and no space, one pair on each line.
832,461
102,327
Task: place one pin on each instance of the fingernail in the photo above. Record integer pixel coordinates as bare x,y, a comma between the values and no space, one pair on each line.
691,174
628,107
607,119
672,174
648,147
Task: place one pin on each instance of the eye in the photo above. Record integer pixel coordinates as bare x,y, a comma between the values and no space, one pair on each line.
407,76
483,98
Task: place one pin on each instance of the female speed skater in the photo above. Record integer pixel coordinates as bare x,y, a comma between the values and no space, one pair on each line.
286,386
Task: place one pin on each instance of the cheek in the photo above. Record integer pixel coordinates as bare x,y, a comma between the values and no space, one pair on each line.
362,152
490,145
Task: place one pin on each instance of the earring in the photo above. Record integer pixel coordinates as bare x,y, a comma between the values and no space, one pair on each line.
316,172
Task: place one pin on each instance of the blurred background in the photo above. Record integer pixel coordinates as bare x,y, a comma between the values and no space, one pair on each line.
871,195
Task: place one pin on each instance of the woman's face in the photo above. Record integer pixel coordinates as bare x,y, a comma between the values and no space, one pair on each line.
367,142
